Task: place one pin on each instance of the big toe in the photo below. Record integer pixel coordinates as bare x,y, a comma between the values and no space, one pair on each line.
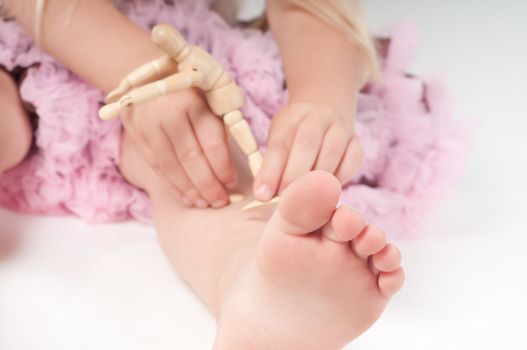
308,203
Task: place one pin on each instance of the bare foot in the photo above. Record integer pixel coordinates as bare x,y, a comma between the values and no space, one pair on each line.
307,276
15,133
317,279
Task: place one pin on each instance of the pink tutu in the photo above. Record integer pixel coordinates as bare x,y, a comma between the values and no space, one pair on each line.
413,146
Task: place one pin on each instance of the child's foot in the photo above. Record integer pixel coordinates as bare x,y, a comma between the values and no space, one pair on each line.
15,130
284,284
318,278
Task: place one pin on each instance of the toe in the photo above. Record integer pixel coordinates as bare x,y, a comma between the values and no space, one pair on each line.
345,225
308,203
388,259
370,241
391,282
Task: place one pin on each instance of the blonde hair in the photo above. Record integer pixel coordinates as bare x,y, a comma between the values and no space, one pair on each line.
348,17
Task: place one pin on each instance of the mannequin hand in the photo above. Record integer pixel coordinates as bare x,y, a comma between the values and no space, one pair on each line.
305,137
185,142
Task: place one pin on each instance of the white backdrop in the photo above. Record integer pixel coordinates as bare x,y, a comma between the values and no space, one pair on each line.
72,286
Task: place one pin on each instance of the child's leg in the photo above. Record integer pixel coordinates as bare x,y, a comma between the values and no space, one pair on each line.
273,280
15,130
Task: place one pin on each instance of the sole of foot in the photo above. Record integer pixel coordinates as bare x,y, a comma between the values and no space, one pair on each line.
317,279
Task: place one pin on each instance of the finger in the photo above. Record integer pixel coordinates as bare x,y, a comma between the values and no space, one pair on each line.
275,159
145,151
305,150
194,163
212,138
141,144
167,163
167,166
333,149
351,161
136,136
173,174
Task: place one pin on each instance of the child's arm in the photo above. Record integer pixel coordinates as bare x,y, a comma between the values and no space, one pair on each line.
324,73
321,65
90,37
97,42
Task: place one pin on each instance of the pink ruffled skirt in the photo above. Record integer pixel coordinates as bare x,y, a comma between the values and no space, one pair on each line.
414,148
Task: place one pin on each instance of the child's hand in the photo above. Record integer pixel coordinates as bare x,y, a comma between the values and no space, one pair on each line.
304,137
187,144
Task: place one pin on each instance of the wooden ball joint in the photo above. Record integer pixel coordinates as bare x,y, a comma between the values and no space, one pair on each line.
181,68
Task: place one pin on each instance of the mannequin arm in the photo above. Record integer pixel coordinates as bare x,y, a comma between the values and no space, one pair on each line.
178,81
147,73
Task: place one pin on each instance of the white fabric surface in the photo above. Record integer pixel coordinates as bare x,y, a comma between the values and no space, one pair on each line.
72,286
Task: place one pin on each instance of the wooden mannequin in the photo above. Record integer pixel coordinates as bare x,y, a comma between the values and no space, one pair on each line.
189,66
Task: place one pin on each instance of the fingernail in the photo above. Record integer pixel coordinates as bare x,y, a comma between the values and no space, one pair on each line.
264,192
200,203
219,203
186,202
